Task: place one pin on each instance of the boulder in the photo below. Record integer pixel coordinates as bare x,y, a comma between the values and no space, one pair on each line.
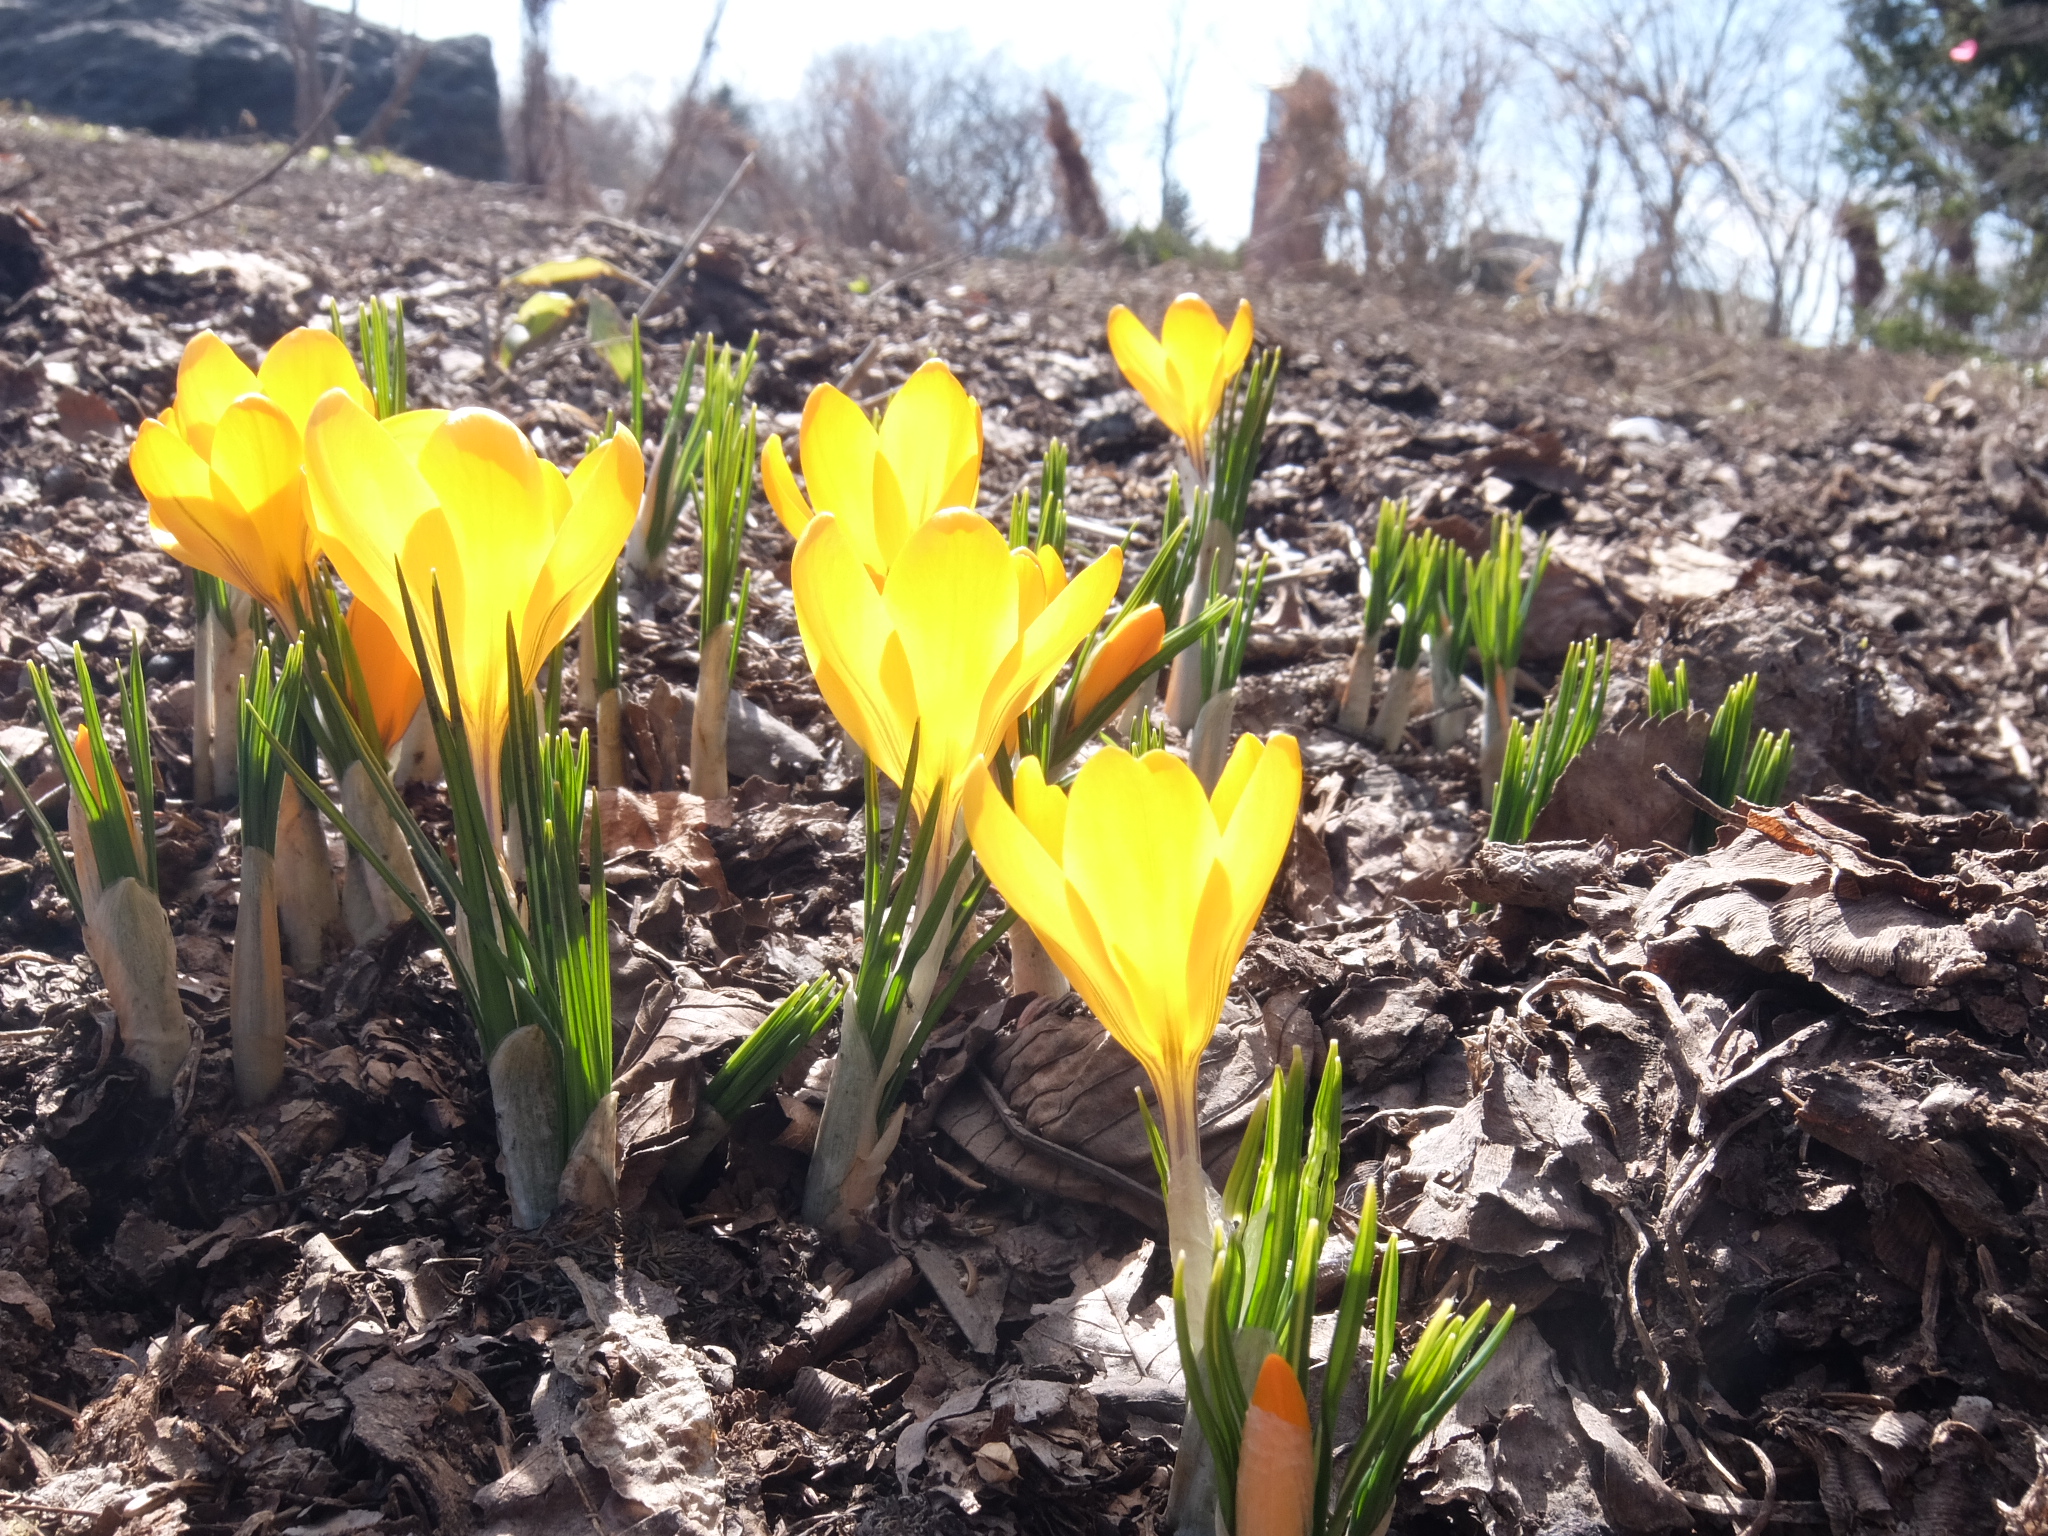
212,67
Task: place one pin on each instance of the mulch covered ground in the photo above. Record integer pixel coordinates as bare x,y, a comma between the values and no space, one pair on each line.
1756,1139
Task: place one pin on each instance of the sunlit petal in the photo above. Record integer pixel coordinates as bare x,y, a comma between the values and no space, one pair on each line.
210,377
1040,806
837,445
303,366
779,486
1143,361
257,454
388,672
930,430
1133,642
365,497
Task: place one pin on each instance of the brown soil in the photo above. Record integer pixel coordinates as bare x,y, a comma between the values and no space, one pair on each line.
1782,1207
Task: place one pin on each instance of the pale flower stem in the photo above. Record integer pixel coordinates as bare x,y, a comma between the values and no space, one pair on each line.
528,1105
1446,688
590,1177
611,742
708,722
1354,709
1493,736
1209,743
846,1130
1031,969
233,658
308,905
586,661
417,759
371,907
1398,704
202,710
129,939
256,1008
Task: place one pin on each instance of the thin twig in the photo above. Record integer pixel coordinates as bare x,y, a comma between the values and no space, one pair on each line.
1067,1155
299,146
689,249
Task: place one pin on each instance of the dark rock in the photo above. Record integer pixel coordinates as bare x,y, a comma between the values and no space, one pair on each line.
1114,436
198,66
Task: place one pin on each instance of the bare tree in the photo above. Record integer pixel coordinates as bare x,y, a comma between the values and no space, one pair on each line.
921,145
684,124
1080,200
539,157
1673,87
1175,75
1419,100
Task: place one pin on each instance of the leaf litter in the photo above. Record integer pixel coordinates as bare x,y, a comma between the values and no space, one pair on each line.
1756,1139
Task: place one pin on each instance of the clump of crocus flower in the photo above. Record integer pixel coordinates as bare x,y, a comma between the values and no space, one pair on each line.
928,673
1145,891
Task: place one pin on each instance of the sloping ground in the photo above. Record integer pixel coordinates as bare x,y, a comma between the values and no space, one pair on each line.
1756,1138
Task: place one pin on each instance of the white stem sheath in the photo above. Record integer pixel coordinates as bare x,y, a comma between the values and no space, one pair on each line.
418,757
308,906
1209,743
1395,709
371,908
1031,969
234,656
611,742
529,1111
590,1178
1354,707
1493,737
256,1011
586,661
129,939
202,711
1447,692
710,719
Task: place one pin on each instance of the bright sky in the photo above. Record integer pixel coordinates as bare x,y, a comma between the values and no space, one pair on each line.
1240,51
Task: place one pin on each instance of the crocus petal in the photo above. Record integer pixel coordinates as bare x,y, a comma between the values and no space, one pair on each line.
1133,642
1229,359
1144,363
1237,772
1275,1463
1054,569
1260,829
847,632
952,598
779,486
606,489
210,376
182,513
931,431
303,366
1031,882
837,445
388,672
1053,635
365,497
256,457
1140,843
1042,807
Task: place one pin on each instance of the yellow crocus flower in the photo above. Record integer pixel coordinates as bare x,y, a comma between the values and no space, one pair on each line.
1183,371
1145,891
220,467
882,483
961,637
462,498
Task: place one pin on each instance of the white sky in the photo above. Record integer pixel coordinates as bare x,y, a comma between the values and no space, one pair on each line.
1241,50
